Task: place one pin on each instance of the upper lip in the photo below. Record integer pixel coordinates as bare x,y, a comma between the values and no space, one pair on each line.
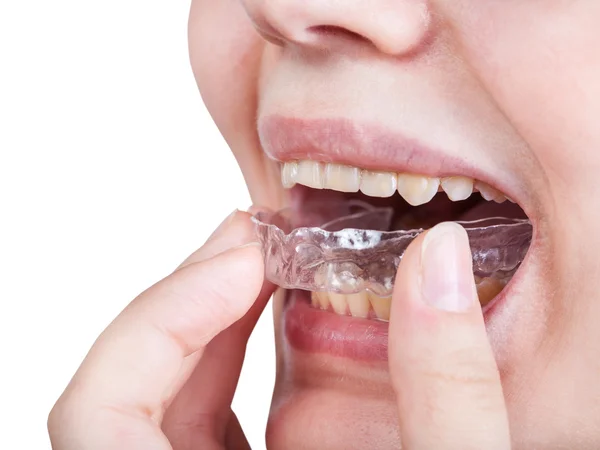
366,146
369,146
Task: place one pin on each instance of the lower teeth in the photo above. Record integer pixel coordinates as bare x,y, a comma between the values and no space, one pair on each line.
369,306
488,288
355,254
362,304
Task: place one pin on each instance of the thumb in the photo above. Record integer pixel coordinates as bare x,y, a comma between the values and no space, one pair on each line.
443,370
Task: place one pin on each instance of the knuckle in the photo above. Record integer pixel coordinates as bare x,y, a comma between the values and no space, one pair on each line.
54,419
467,366
61,418
203,313
195,425
466,376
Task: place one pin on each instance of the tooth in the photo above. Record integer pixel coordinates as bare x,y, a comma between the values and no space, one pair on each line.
310,173
358,304
320,300
417,189
342,178
338,302
289,172
314,299
488,288
321,276
458,188
378,184
488,192
381,306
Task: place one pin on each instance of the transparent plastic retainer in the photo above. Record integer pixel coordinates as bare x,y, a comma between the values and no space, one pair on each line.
352,250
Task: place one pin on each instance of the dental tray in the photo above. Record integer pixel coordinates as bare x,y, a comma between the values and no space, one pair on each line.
352,249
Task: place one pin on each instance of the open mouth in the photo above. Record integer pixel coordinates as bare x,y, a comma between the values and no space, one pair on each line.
312,254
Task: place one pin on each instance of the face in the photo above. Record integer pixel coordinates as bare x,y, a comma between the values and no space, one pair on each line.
405,94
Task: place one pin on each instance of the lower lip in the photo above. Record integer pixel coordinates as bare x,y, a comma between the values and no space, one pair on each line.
313,330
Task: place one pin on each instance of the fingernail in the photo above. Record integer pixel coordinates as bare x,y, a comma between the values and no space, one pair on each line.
223,225
253,210
447,269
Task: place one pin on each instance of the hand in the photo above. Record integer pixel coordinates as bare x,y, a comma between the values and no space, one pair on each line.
163,374
443,371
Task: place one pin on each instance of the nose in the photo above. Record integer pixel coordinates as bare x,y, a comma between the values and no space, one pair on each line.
394,27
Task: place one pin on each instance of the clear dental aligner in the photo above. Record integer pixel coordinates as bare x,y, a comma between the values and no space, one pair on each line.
353,251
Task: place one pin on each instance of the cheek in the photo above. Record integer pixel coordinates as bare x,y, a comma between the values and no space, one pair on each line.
538,62
225,55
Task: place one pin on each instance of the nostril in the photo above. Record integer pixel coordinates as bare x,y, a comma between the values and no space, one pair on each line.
332,31
395,27
336,37
397,36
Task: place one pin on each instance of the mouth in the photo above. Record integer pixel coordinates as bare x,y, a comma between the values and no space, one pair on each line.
332,163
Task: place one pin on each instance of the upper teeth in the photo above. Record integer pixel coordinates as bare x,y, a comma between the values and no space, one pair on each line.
457,188
415,189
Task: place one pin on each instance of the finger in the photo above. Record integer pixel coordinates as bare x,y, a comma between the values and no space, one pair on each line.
131,368
202,406
200,412
235,230
236,439
443,371
231,436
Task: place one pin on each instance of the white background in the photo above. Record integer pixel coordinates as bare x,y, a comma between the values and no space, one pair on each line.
109,169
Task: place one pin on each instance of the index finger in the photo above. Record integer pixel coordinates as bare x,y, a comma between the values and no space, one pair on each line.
134,366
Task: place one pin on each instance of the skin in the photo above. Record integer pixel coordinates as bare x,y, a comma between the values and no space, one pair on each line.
163,373
512,86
